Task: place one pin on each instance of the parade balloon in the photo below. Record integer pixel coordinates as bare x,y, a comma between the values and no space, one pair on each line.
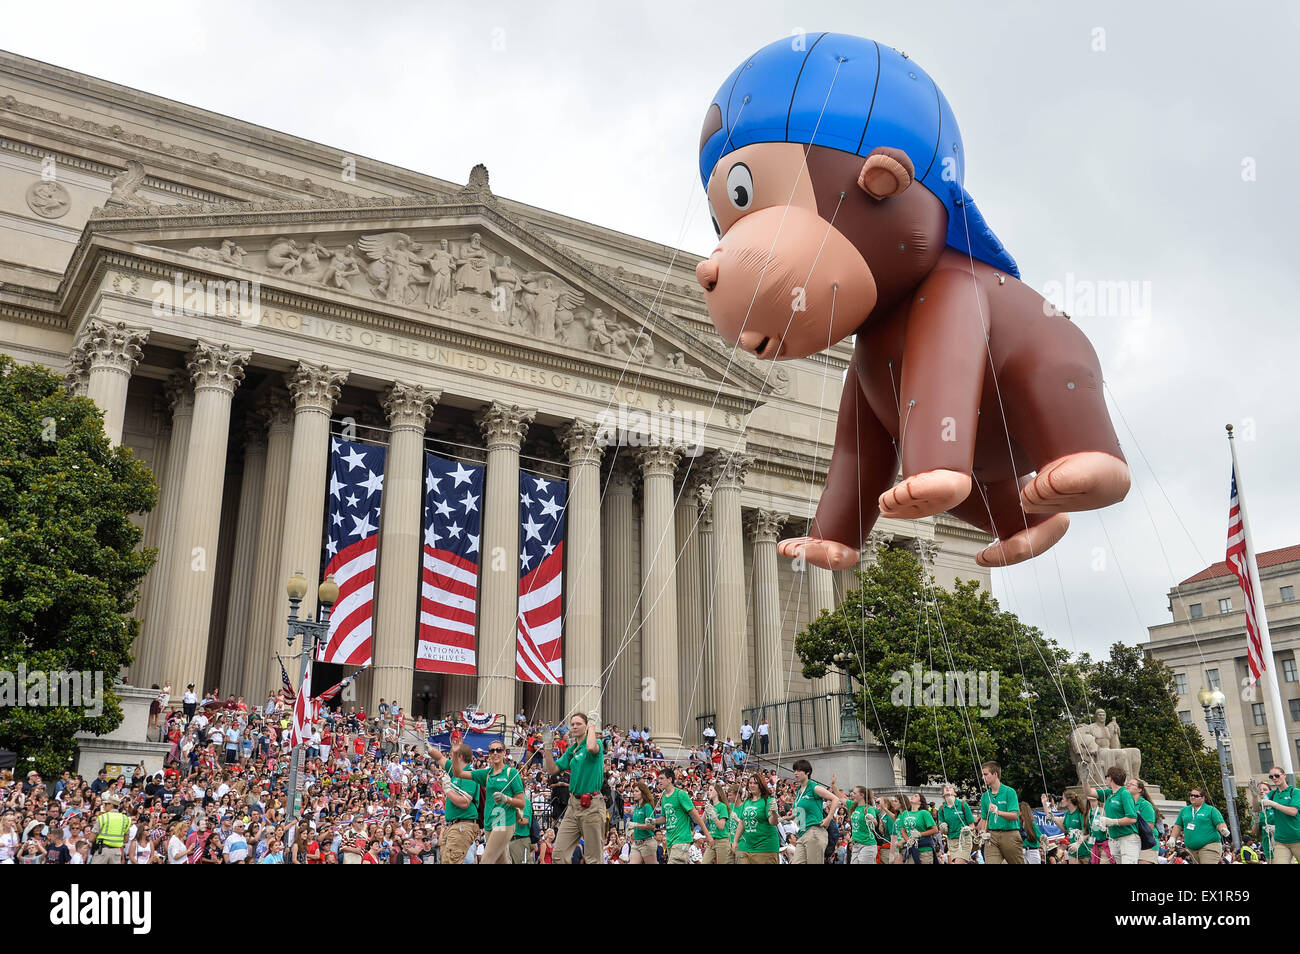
834,170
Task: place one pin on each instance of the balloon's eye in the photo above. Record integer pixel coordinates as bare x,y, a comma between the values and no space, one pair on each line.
740,186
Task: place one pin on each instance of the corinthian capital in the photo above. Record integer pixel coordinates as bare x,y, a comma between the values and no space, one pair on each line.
729,467
315,386
112,344
581,441
78,376
504,425
217,366
409,405
659,460
764,526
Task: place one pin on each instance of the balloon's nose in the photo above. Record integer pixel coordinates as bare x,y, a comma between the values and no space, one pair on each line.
706,273
758,344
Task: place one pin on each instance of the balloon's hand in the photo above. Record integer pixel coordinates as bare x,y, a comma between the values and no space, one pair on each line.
826,554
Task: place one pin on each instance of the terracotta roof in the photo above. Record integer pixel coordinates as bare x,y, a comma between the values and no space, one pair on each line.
1267,558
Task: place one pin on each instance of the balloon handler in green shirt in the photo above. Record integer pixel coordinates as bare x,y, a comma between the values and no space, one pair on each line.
1202,829
1281,813
584,816
678,815
811,815
503,788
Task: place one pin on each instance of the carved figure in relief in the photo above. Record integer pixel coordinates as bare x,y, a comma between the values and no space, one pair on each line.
508,279
598,333
544,296
644,349
396,266
311,261
125,185
48,199
228,254
474,267
339,272
284,257
440,264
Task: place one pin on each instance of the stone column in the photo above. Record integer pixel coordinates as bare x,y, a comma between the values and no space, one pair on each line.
504,427
770,675
269,606
621,612
582,668
709,604
112,349
730,666
215,370
243,564
401,530
821,596
148,652
314,389
691,611
661,708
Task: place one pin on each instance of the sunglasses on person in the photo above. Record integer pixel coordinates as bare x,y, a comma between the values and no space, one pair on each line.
1196,795
1274,774
495,749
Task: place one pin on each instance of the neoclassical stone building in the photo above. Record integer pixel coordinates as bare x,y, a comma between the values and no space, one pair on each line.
230,296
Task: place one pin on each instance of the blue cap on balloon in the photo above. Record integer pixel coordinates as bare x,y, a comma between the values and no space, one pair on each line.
852,94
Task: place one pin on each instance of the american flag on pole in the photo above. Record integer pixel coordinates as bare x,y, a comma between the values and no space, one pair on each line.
338,687
539,648
352,541
284,682
303,712
453,493
1242,562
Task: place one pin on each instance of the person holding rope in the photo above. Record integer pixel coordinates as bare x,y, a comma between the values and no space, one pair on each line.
584,815
1281,813
1074,824
644,848
504,788
1000,819
1120,816
678,815
811,815
1202,829
461,810
957,822
1147,812
757,840
718,815
863,816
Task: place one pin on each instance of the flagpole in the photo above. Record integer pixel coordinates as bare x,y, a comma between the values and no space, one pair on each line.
1277,717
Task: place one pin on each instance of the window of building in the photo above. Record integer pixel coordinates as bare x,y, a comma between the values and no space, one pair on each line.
1295,709
1195,611
1225,605
1288,594
1212,678
1185,716
1265,756
1257,713
1180,683
1288,669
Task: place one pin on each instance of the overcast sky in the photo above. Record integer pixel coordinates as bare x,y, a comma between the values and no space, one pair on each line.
1103,142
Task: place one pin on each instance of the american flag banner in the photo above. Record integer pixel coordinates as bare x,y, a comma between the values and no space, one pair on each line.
453,494
1242,562
352,541
303,712
284,681
539,648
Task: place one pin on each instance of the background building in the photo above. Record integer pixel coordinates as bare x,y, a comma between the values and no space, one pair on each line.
230,295
1205,646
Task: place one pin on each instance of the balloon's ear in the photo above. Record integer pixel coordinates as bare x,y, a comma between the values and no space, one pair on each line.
886,172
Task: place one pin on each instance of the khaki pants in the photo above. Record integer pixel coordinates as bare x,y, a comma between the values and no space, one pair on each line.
679,855
1211,854
1004,848
811,848
648,850
497,849
886,855
107,856
864,854
519,850
585,823
961,846
927,858
458,839
757,857
719,853
1284,852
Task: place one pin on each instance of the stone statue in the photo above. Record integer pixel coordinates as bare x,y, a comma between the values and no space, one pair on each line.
509,280
440,263
1095,747
310,262
474,268
644,349
340,271
544,300
395,264
125,185
48,199
284,257
598,333
228,254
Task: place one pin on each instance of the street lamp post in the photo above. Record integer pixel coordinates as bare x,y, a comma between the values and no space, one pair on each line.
1212,702
312,631
849,731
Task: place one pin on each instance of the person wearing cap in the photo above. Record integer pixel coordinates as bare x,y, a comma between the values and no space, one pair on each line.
1280,812
584,759
110,835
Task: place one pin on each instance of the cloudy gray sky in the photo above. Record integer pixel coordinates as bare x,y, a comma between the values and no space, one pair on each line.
1104,143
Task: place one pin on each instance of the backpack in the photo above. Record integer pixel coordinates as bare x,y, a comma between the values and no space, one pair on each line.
1145,834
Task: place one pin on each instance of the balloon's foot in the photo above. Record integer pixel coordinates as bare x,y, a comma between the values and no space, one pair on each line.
1088,480
1027,543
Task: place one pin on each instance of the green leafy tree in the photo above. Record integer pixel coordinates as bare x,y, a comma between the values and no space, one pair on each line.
1139,692
898,622
70,567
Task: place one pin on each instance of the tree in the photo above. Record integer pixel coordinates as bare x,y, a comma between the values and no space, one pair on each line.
70,566
1139,692
909,645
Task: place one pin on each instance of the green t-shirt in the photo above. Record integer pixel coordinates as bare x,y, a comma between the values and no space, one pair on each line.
524,829
760,835
508,783
676,808
809,810
1286,827
586,769
1035,836
1200,826
915,821
863,821
1005,800
733,820
470,788
956,816
890,824
1100,833
1121,805
643,813
724,821
1146,811
1073,822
